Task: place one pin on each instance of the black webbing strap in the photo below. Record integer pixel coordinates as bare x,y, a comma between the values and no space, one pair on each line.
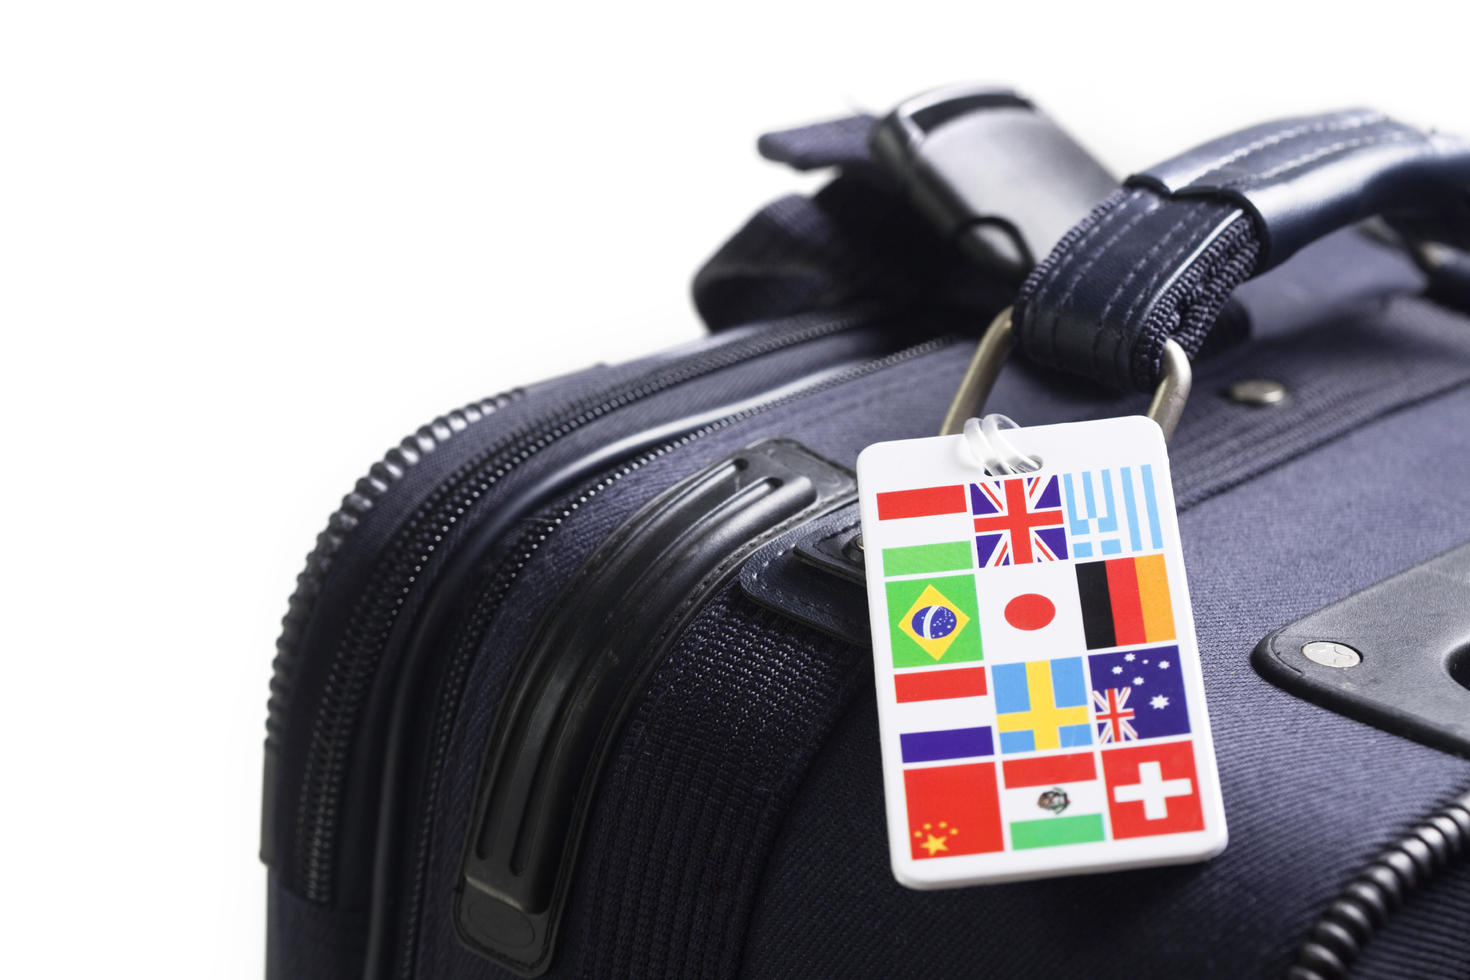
708,767
839,142
856,240
944,203
1133,274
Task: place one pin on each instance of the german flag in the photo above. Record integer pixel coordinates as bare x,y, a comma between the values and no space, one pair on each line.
1125,601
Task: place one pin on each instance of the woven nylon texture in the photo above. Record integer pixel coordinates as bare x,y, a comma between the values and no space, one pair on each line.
1134,273
824,895
856,240
747,700
1310,795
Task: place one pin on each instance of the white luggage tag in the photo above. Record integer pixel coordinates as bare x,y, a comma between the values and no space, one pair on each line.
1041,706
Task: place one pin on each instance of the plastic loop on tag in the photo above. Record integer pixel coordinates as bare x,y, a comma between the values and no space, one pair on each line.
996,453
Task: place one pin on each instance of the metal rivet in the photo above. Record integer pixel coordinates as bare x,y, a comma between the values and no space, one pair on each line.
1330,654
1257,392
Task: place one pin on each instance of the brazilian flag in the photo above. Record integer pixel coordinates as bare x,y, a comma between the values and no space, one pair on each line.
933,621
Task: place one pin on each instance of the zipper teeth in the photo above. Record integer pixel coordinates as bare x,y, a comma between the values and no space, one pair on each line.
1365,907
487,606
355,660
394,465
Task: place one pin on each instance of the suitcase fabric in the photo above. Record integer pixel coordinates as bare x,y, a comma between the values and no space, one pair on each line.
735,822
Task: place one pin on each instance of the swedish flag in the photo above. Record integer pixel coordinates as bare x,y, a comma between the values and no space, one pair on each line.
1041,704
933,620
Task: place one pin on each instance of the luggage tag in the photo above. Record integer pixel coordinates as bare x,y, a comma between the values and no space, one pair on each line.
1041,706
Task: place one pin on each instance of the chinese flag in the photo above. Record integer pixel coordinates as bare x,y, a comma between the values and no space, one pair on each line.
953,810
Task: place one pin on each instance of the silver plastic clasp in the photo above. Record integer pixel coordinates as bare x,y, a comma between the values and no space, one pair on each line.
995,346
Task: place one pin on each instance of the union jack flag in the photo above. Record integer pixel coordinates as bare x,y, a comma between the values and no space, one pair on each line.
1114,715
1018,521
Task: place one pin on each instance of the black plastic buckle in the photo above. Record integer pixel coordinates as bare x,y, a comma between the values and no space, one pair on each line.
991,172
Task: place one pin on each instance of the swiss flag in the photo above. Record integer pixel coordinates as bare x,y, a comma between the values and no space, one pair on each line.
1152,789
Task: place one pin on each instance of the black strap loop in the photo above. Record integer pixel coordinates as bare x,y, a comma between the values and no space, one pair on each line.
857,240
1160,258
961,171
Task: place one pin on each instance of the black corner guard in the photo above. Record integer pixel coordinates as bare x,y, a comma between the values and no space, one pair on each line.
1396,655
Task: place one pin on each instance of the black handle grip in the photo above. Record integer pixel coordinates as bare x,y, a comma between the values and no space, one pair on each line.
1159,258
587,667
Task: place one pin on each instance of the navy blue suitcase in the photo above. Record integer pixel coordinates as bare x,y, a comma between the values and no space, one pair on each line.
577,682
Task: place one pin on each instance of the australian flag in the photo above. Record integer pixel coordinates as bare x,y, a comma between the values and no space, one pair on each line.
1138,694
1018,521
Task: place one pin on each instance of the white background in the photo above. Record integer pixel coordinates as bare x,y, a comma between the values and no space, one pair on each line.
244,247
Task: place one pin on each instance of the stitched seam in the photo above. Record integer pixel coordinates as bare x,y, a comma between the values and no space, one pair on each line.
1203,221
1097,253
1106,328
1196,294
1205,218
1144,263
1281,136
1038,302
755,575
832,551
1124,353
794,598
1392,136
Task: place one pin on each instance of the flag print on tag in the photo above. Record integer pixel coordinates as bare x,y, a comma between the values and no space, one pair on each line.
1028,608
948,743
1125,601
1111,511
944,714
928,514
1040,700
1138,695
1152,790
1018,521
1053,800
933,620
938,685
952,810
1041,704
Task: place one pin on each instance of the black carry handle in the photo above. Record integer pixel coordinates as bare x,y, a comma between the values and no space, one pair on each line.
1159,258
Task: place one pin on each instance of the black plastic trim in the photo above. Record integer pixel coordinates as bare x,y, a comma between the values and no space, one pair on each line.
970,159
600,638
1439,843
1411,631
780,577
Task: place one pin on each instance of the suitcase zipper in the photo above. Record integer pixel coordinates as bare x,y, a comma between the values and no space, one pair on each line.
470,634
393,467
311,870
